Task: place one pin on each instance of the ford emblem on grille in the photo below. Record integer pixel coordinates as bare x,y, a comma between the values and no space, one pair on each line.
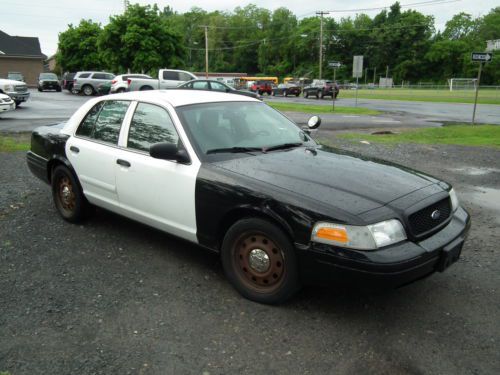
435,214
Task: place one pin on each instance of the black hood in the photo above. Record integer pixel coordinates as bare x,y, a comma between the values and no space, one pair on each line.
337,179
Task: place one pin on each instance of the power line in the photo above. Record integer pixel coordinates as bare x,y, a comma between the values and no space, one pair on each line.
420,3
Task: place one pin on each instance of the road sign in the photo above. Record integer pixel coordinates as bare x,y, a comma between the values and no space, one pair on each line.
482,56
493,45
357,67
334,64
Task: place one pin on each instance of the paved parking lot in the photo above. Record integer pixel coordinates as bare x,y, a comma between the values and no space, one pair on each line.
52,107
115,297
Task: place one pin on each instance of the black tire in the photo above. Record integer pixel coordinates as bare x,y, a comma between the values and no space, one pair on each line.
306,94
274,276
297,94
120,90
70,87
88,90
39,89
58,89
18,103
68,196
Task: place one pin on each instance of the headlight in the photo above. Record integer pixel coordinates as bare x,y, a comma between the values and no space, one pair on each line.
9,88
370,237
454,200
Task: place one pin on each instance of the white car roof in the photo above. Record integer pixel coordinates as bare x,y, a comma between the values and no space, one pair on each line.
179,97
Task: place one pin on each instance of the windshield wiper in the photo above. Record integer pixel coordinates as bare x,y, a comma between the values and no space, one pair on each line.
233,149
282,146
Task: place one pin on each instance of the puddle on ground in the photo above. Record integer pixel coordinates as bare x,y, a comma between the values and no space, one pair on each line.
475,171
487,198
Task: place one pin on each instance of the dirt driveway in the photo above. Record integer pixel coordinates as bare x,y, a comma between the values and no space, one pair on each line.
115,297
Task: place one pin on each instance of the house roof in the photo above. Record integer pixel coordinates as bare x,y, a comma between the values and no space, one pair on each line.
19,46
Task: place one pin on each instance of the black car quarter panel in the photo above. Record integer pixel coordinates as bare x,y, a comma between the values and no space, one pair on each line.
47,146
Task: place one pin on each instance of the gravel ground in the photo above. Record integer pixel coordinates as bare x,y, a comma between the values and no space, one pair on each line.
115,297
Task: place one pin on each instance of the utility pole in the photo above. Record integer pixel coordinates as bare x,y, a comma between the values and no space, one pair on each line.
477,91
374,75
387,71
321,13
366,75
206,50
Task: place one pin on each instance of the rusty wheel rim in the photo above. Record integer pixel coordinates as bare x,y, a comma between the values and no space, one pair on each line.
259,262
66,195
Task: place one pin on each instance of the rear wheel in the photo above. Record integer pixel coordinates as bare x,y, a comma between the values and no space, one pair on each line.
68,196
87,90
260,262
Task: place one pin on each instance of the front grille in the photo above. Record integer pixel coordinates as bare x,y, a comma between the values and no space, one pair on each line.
422,221
21,88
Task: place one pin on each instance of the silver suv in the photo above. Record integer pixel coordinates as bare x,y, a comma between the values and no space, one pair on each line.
88,82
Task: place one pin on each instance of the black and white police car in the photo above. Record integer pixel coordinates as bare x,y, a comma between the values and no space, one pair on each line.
235,176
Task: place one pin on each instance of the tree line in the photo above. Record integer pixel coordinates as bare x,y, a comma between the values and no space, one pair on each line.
254,40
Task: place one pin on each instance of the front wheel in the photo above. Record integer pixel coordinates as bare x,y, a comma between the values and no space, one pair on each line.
68,196
260,262
18,103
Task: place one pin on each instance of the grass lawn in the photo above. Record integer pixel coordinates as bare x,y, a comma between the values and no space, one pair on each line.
467,135
18,142
315,109
485,96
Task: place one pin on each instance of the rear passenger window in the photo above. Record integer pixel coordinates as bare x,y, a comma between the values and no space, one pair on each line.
87,126
104,120
150,124
173,76
84,75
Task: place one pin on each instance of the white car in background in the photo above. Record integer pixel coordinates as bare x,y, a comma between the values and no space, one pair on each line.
6,103
120,83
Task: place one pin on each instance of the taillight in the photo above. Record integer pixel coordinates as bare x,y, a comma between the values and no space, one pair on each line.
128,81
113,81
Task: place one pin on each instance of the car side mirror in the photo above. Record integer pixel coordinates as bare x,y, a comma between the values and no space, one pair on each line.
169,151
314,122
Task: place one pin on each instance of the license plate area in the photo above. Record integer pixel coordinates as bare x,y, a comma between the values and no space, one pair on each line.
449,256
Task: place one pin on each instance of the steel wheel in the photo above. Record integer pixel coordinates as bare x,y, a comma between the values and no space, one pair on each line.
66,195
259,262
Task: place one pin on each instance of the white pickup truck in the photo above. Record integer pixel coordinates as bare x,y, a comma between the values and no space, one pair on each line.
168,79
17,90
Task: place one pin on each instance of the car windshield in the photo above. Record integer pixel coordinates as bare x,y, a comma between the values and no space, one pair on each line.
238,127
15,76
48,76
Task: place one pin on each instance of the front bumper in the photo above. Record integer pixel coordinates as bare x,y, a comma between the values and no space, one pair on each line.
392,266
19,97
6,107
50,86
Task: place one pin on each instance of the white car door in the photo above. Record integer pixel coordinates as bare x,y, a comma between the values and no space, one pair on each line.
157,192
92,151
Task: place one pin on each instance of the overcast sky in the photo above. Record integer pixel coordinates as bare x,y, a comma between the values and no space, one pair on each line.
46,18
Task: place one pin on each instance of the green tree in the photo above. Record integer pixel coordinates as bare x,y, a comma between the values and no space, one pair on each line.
141,40
77,47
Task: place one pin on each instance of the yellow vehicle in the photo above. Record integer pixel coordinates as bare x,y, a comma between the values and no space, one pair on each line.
248,79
